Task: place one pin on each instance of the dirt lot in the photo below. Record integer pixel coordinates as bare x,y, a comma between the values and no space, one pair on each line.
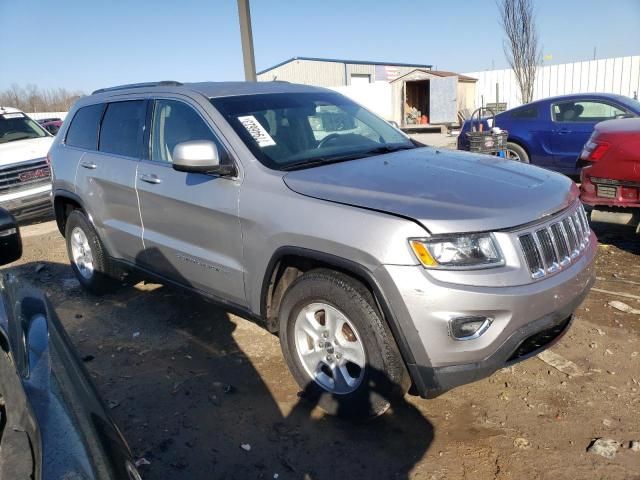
189,384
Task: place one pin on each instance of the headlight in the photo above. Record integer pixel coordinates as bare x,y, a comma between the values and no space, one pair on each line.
458,252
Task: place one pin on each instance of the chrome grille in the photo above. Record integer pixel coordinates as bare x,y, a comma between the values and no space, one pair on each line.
532,255
606,191
560,241
549,255
24,175
556,245
569,229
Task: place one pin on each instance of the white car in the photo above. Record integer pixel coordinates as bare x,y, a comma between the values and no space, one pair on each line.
25,176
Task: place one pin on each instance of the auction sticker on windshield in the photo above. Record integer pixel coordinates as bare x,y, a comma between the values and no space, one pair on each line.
257,131
9,116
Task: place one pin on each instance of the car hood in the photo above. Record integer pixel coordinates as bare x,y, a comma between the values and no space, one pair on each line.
23,150
444,190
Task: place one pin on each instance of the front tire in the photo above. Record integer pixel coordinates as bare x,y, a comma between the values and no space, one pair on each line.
338,347
516,153
91,265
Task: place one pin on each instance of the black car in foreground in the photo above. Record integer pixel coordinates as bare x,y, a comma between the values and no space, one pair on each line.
53,424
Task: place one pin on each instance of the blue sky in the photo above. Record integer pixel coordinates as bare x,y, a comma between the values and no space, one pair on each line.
87,44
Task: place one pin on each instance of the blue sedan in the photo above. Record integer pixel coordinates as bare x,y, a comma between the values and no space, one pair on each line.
550,133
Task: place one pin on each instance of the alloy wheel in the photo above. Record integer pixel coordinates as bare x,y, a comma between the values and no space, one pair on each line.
330,348
81,253
511,155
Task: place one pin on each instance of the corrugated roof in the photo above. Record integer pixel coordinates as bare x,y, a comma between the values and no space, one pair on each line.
444,73
439,73
351,62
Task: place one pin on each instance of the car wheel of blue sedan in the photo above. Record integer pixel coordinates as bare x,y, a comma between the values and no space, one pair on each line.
517,153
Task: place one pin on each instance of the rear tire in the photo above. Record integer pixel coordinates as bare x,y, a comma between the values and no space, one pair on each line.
338,347
93,268
516,153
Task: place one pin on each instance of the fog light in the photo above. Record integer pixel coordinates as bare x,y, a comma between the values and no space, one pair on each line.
468,328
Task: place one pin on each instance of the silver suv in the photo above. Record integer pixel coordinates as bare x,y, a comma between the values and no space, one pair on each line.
380,262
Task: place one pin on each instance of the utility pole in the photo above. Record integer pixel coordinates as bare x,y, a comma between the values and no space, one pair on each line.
247,41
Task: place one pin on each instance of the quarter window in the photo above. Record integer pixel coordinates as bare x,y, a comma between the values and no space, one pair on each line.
83,131
121,132
529,112
173,123
586,111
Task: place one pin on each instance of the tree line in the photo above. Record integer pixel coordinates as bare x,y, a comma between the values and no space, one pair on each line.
32,99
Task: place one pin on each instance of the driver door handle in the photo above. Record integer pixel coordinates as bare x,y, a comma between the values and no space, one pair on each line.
153,179
89,165
563,131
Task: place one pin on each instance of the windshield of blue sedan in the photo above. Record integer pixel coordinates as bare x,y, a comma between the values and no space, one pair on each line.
291,130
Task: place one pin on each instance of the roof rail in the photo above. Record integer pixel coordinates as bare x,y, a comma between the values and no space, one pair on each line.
164,83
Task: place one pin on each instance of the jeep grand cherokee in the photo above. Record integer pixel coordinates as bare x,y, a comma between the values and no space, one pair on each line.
381,263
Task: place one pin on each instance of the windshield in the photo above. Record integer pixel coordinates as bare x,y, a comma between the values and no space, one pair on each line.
17,126
290,130
633,103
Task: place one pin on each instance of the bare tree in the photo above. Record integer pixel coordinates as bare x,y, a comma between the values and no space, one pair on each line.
31,99
521,46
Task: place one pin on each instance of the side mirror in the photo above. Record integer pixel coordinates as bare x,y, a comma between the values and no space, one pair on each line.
199,156
10,242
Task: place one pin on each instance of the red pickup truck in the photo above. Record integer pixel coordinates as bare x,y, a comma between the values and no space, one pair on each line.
610,177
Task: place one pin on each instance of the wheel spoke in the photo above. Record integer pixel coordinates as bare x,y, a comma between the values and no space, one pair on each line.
354,354
341,378
313,359
310,326
332,319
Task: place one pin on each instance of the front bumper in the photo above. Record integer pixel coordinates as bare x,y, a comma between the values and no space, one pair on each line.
542,310
29,204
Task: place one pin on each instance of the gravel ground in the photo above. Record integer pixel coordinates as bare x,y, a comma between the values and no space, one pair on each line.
190,385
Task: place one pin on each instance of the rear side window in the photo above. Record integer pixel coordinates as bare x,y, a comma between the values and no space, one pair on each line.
83,131
121,131
529,112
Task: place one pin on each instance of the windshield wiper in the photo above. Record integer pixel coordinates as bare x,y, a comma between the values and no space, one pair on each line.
321,161
388,149
316,162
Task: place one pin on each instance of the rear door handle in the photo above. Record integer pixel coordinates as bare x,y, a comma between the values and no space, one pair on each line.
153,179
563,131
89,165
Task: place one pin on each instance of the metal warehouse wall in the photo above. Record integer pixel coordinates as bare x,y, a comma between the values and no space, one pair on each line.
322,74
619,75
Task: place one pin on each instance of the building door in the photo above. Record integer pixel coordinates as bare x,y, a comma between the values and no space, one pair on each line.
443,105
358,79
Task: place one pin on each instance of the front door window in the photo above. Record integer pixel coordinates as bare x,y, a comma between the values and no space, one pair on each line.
175,122
586,111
